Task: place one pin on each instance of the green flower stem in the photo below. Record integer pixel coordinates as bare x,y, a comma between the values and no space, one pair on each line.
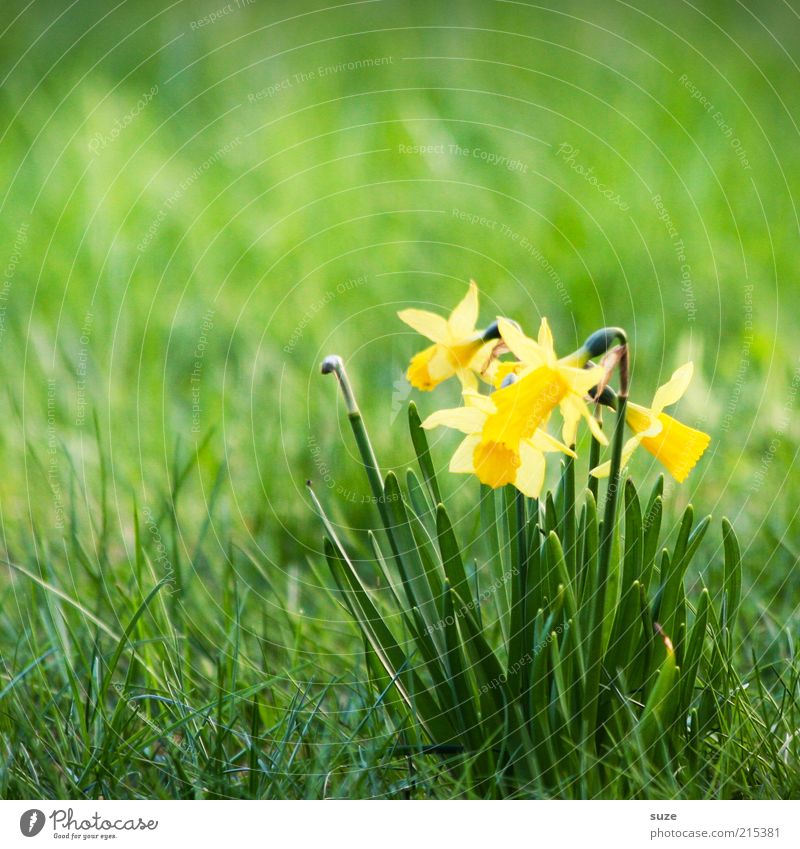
522,524
594,670
594,462
568,529
518,554
335,365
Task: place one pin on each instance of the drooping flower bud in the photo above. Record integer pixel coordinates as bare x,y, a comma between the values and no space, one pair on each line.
491,332
601,340
607,397
334,364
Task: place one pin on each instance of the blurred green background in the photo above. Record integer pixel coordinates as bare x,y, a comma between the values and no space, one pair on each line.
201,200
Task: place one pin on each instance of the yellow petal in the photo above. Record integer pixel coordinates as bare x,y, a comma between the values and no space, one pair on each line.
495,464
482,402
464,317
430,325
604,469
523,348
572,414
488,373
469,380
461,463
546,336
482,358
581,380
530,474
594,427
465,419
523,406
627,450
674,389
677,446
542,441
573,408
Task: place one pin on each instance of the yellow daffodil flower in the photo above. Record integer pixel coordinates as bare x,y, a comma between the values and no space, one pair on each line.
458,348
543,382
671,442
494,463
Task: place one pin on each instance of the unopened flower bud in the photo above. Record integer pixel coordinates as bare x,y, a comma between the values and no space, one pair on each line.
601,340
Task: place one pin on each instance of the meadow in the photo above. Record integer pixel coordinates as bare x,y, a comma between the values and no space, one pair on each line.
200,201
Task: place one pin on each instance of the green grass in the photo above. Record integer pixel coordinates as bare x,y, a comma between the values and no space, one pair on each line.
218,246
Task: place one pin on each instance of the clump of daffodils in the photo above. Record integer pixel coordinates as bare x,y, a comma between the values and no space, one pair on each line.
591,657
507,428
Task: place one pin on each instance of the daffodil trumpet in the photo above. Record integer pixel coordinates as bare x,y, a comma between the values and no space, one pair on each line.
676,445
